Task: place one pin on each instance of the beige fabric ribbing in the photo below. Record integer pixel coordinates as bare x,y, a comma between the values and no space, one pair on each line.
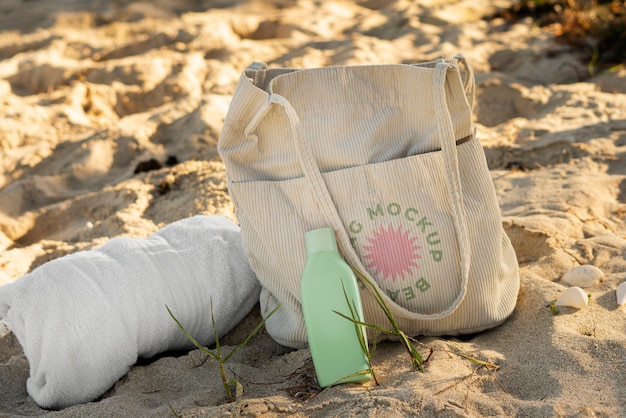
371,152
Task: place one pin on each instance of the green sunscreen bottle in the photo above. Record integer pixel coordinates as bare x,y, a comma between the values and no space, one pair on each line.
327,284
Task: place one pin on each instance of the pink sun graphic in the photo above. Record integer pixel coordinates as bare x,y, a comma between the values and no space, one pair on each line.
391,253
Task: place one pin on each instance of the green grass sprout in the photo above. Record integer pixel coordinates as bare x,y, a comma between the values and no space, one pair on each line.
553,309
416,357
228,383
173,411
358,328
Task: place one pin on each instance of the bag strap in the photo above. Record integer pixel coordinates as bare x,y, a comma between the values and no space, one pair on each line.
452,178
469,84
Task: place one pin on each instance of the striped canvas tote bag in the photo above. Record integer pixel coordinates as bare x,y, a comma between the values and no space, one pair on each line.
387,156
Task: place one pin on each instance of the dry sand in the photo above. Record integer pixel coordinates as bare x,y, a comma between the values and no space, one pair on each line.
90,89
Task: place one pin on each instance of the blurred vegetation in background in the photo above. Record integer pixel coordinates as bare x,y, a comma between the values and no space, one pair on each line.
597,29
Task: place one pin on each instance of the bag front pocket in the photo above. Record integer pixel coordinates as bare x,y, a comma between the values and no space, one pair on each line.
398,217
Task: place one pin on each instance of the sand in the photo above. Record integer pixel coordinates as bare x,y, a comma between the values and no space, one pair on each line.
91,91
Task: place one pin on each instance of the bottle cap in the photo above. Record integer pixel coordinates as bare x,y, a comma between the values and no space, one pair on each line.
319,240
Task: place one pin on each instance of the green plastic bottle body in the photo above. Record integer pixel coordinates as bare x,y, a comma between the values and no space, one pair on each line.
335,346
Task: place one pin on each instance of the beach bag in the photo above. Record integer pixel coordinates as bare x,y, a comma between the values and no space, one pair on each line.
387,156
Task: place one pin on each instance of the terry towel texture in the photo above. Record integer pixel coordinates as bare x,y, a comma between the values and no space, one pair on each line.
85,318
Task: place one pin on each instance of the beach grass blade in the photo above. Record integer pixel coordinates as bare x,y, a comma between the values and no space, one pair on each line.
416,357
228,383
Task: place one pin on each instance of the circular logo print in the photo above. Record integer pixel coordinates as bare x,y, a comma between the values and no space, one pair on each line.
391,253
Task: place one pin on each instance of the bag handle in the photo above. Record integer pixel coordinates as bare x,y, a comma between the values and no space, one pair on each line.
452,177
469,84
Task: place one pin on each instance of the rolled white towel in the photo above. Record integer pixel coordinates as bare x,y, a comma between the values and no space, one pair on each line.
85,318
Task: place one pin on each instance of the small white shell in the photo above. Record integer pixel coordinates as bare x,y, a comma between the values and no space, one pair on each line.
573,297
621,293
583,276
